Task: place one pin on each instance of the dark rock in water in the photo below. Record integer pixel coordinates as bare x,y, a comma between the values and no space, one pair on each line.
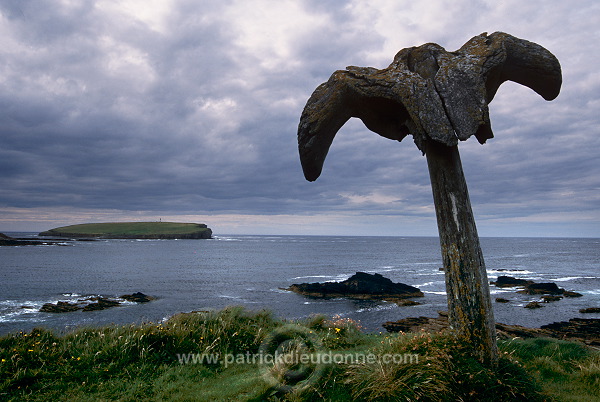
533,305
542,288
359,286
138,297
504,281
569,293
101,304
550,298
501,300
406,302
590,310
60,307
93,303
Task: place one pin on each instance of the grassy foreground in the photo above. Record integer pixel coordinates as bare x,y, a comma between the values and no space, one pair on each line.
129,229
168,361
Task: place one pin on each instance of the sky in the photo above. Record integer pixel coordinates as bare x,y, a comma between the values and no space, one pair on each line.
188,110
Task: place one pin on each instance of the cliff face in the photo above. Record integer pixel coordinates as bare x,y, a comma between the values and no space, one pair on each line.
206,234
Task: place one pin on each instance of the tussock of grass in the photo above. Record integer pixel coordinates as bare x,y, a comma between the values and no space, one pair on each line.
568,370
141,362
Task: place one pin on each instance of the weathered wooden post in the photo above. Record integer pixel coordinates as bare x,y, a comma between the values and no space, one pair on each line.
439,97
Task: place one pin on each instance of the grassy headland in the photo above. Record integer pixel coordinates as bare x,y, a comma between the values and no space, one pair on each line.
168,361
138,230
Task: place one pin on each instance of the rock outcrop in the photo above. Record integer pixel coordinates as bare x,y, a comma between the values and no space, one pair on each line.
532,288
138,297
93,303
586,330
533,305
549,288
101,304
504,281
359,286
583,330
60,307
11,241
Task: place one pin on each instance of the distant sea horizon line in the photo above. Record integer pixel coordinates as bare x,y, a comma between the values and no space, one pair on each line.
35,232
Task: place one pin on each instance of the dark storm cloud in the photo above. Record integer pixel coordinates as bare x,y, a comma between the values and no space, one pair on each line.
188,107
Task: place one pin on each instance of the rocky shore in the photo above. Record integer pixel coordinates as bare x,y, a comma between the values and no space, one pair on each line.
374,286
548,292
585,330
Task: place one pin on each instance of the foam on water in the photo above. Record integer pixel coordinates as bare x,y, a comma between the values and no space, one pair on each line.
572,278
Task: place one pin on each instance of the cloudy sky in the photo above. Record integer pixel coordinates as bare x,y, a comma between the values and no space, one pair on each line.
187,110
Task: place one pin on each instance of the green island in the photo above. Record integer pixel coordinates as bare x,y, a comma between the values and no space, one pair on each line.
208,356
133,230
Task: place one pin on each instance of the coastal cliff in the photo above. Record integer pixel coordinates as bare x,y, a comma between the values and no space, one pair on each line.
133,230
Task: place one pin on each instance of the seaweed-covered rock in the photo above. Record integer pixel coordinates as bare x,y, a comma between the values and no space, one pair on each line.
586,330
533,305
414,324
405,302
93,303
138,297
101,304
60,307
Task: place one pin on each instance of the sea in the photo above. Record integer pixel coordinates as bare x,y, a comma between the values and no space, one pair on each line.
254,271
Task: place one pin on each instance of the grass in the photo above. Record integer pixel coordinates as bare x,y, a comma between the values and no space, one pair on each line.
156,362
131,228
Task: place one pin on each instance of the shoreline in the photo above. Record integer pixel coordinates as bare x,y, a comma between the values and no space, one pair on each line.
582,330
